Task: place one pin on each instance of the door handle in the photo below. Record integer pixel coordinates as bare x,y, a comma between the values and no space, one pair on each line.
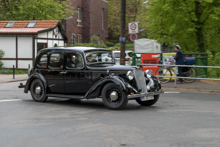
62,73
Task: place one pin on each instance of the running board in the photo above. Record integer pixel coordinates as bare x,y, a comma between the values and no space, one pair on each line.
66,96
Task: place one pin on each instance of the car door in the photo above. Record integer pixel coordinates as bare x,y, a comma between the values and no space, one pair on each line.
55,73
75,75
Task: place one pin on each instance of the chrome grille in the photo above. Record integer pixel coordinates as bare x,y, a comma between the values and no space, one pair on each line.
140,80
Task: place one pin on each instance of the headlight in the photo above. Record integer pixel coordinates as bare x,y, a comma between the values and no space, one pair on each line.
130,75
148,73
29,72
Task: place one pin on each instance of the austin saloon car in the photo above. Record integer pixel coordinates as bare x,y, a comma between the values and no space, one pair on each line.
88,73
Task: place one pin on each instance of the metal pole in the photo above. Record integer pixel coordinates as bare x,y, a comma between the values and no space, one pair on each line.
28,66
175,75
13,72
123,19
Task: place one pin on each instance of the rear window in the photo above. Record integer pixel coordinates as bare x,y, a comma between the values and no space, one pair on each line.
43,61
130,54
117,54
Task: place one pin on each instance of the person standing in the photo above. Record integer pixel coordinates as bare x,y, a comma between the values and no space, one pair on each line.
179,61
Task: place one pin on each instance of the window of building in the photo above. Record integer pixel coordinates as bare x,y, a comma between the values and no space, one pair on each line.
56,60
103,21
41,46
79,38
73,38
79,18
31,24
43,61
10,24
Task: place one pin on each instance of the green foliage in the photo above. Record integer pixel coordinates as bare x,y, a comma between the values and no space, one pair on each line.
10,71
34,9
96,40
213,61
193,24
135,12
118,45
91,45
2,53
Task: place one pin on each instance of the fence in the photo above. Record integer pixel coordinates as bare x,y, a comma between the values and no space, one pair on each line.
175,77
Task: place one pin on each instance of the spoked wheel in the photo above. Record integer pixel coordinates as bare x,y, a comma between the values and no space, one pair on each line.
113,97
148,103
37,91
164,72
192,73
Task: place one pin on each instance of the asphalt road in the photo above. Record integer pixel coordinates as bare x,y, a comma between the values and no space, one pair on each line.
178,119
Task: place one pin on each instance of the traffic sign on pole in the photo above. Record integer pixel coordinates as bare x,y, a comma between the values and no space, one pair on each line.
133,27
133,37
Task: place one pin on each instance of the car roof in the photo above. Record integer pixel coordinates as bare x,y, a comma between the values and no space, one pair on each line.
76,48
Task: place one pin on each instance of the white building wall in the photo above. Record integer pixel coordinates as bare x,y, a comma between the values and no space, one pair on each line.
42,35
25,47
8,45
9,63
24,63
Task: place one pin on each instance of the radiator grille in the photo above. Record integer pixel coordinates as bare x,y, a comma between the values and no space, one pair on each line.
140,80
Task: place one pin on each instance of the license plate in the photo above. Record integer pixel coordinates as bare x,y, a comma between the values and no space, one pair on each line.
147,98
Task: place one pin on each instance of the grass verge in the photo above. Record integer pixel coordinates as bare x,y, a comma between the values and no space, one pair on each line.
10,71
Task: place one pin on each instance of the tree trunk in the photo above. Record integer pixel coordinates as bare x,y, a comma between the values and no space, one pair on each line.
199,27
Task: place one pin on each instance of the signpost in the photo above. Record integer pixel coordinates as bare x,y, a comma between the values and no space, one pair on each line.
133,27
122,39
133,37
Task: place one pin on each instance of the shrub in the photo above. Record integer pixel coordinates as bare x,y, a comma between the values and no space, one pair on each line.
2,53
91,45
213,60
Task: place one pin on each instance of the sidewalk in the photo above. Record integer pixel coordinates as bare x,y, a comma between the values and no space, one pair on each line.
6,78
197,86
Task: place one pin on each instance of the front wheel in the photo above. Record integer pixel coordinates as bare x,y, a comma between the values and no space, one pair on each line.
192,73
164,72
37,91
148,103
113,97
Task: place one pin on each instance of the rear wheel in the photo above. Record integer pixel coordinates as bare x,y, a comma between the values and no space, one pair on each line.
190,73
148,103
38,91
113,97
164,72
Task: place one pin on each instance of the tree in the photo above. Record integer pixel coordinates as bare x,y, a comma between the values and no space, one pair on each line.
193,24
135,12
34,9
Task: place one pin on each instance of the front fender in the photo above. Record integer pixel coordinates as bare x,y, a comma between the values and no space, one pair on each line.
94,91
33,77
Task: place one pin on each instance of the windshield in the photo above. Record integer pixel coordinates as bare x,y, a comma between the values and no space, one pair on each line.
99,57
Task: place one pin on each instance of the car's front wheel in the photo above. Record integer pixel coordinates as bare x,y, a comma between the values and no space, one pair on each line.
148,103
38,91
113,97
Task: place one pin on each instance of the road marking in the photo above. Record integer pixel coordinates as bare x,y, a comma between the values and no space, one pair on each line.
10,100
171,92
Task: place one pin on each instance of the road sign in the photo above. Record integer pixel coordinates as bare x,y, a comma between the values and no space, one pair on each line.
133,37
122,39
133,27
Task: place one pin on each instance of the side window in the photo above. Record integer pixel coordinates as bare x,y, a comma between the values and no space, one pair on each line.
56,60
74,60
43,61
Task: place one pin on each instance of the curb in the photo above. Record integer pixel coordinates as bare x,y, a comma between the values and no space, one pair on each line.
193,90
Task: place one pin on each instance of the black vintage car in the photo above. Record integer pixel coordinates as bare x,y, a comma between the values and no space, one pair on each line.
87,73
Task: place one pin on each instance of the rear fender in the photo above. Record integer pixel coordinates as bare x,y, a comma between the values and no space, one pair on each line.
33,77
95,90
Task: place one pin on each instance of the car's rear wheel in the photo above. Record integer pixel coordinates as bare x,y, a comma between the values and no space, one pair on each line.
148,103
38,91
113,97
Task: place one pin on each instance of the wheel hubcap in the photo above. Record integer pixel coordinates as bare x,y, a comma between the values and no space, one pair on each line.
38,90
114,95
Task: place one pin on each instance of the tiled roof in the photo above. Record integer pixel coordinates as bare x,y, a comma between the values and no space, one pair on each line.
20,30
39,23
21,26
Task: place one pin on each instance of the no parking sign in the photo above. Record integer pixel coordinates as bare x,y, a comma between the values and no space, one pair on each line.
133,37
133,27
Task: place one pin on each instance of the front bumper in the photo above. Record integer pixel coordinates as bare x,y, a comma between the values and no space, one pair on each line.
138,95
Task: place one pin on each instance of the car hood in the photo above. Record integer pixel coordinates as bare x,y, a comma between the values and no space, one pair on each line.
114,68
